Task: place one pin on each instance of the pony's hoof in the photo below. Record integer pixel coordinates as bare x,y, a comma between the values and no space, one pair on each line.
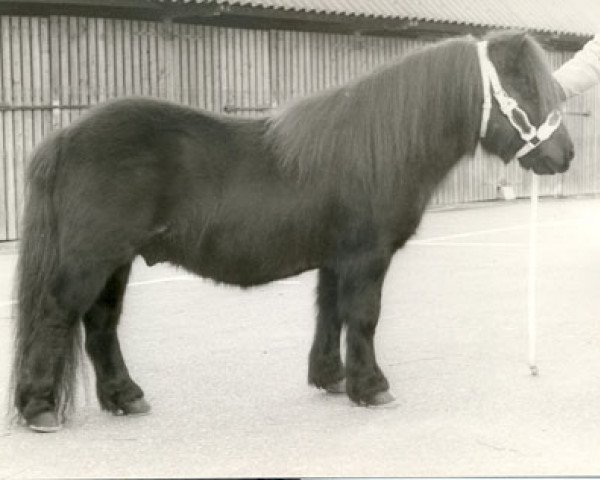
337,387
139,406
381,398
45,422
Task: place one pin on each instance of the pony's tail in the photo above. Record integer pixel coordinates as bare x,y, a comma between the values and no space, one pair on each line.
36,269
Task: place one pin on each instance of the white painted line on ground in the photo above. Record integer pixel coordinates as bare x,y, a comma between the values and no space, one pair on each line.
468,234
470,244
492,230
166,280
162,280
288,282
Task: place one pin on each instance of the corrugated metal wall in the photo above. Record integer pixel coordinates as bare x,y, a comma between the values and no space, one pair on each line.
52,68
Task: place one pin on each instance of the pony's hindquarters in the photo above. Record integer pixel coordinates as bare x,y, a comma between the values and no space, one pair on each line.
75,244
45,344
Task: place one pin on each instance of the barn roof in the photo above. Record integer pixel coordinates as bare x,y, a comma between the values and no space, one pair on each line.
571,17
565,22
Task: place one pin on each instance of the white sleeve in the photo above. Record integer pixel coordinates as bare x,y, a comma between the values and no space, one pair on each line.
582,71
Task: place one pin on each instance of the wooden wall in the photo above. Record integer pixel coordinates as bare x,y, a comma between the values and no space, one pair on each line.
53,68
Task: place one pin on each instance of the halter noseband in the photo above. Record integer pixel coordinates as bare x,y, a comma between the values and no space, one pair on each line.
510,108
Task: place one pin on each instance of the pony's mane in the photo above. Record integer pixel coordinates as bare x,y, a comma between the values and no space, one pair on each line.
425,107
397,111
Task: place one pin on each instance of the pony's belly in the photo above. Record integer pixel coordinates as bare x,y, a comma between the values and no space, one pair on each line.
242,263
246,268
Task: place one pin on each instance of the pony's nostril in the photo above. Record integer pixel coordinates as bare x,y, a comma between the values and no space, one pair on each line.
570,155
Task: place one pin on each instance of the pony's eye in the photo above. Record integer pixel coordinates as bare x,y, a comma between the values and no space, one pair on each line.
520,118
554,118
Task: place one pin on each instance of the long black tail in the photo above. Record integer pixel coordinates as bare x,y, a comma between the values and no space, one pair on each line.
37,266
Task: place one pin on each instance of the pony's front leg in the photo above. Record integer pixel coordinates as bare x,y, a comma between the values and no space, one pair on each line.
325,368
359,302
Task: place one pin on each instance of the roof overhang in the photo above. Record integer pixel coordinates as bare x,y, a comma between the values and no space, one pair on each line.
233,14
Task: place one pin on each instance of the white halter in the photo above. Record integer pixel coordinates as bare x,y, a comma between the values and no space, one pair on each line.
510,108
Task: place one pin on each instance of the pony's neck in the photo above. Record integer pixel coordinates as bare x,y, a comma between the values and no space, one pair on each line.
404,123
442,86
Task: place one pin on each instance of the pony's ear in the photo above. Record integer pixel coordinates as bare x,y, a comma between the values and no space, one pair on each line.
508,49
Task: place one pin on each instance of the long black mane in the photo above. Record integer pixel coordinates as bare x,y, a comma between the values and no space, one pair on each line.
386,120
425,107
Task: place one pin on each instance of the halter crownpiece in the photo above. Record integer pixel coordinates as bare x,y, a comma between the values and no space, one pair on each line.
510,108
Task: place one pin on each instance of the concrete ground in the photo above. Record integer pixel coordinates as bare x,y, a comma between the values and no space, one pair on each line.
225,369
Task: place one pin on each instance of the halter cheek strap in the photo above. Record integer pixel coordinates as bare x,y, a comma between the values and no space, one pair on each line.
510,108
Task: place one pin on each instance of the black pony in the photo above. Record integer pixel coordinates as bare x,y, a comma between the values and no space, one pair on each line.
337,181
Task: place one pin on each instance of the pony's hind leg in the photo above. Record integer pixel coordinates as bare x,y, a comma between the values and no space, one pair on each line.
116,391
325,368
359,302
49,342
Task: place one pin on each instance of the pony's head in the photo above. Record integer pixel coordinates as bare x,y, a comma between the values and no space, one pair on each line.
523,110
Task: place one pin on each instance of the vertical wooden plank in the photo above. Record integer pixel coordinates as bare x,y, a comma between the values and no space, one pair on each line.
104,68
193,65
177,61
310,62
282,70
328,60
239,65
73,47
297,66
17,79
247,52
8,117
231,94
321,74
135,35
119,62
154,68
221,63
344,66
144,54
265,79
184,65
163,69
27,115
289,75
273,59
303,61
126,44
282,55
54,62
92,53
213,73
127,58
47,98
36,97
257,99
3,154
64,69
83,81
202,46
284,76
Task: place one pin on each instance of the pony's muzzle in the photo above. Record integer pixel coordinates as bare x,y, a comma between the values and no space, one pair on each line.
548,159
